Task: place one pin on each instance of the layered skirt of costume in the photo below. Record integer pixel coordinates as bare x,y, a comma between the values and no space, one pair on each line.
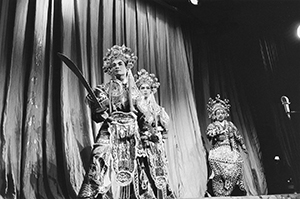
227,164
122,168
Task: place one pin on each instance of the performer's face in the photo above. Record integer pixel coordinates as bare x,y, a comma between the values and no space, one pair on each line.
220,114
119,68
145,90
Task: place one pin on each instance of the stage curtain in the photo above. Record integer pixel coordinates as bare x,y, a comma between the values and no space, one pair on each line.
46,129
214,74
282,74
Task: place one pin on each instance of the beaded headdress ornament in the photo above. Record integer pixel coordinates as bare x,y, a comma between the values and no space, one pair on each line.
143,77
118,52
215,104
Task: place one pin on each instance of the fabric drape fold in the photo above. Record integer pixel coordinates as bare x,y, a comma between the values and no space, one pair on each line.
12,125
277,60
46,130
218,78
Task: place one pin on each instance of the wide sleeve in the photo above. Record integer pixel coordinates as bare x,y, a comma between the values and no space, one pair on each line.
164,118
237,136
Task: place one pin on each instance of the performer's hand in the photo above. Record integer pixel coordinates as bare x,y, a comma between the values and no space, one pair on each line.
97,94
149,119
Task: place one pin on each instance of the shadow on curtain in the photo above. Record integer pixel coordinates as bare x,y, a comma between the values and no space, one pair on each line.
46,130
282,73
214,74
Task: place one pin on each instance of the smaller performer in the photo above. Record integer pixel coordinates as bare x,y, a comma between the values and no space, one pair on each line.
224,157
152,161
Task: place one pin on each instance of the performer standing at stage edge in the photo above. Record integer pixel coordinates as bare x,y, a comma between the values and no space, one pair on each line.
224,157
114,166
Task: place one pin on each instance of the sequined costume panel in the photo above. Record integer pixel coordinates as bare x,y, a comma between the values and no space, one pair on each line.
124,138
224,158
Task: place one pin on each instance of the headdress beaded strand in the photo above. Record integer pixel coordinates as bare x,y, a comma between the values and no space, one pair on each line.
118,52
143,77
217,103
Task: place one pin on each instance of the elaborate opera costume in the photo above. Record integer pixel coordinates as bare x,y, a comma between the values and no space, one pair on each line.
114,165
224,157
152,157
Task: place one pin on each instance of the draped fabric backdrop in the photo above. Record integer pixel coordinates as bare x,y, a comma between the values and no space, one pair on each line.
215,59
46,129
278,58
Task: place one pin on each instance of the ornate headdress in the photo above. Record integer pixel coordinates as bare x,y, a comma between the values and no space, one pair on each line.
217,103
143,77
118,52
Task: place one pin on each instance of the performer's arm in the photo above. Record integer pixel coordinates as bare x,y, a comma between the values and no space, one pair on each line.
163,121
238,137
99,114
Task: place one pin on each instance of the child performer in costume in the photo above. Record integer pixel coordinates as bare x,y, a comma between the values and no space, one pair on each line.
224,157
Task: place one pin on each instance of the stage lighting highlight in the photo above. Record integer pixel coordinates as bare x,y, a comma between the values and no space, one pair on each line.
194,2
298,31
